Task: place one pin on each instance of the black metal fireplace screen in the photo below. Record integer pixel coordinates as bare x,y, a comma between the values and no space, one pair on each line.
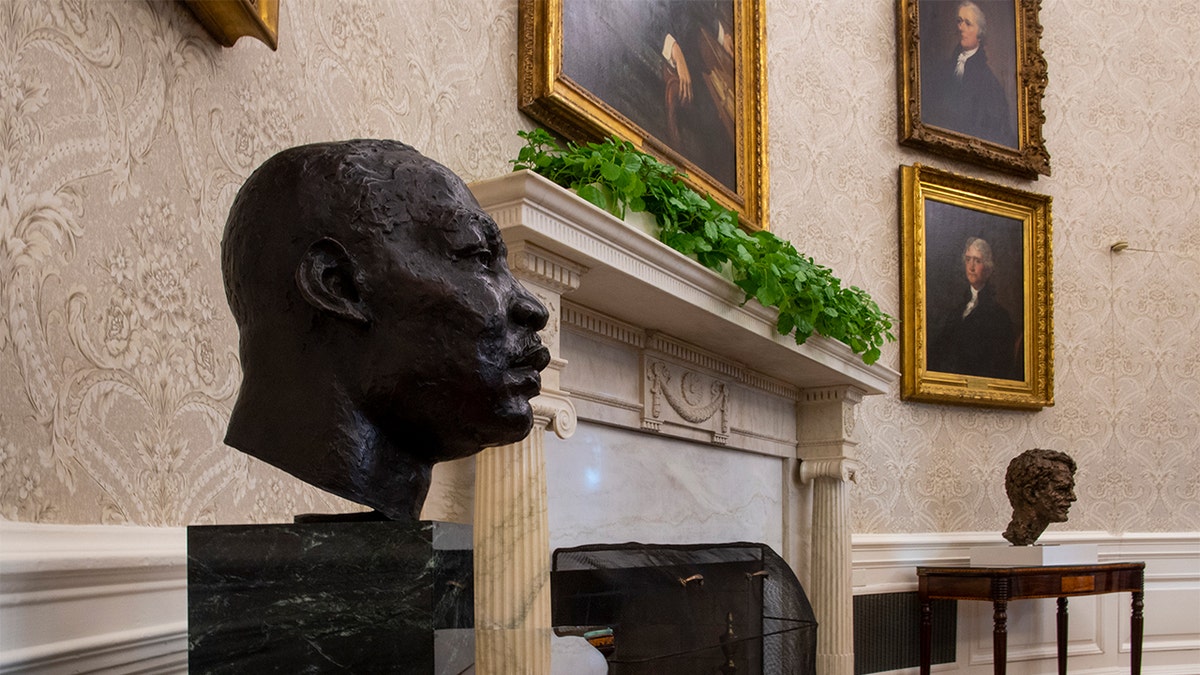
686,609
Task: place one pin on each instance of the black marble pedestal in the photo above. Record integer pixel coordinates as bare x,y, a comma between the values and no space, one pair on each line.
354,597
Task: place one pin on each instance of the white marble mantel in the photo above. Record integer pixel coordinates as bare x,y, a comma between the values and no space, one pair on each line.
697,422
633,277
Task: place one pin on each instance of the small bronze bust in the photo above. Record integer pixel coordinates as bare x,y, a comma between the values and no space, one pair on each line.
381,330
1041,487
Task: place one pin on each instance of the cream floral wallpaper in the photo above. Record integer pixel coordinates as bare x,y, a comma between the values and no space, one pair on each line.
125,131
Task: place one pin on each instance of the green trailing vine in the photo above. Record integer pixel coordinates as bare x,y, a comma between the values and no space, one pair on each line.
617,177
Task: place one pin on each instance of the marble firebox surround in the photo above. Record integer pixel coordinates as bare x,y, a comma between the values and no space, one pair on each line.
654,353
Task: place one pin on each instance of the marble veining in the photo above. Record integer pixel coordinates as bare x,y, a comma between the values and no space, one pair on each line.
612,485
322,597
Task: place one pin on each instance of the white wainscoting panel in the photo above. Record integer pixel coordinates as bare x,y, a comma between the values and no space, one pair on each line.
1098,639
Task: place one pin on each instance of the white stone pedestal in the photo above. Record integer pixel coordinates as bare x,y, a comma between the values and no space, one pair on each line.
1034,556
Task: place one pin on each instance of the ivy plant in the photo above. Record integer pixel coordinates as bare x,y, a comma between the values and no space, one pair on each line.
618,177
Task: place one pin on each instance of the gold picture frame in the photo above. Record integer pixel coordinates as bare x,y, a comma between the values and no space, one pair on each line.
993,346
684,81
987,107
228,20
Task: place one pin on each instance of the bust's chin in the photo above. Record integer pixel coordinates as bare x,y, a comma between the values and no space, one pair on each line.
519,432
511,424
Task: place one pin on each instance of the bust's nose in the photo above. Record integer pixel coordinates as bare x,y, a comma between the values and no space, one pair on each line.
526,311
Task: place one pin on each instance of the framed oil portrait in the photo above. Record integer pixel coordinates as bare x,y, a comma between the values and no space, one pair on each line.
976,312
971,79
681,79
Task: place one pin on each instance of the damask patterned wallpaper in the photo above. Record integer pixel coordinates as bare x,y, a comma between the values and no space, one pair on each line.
125,131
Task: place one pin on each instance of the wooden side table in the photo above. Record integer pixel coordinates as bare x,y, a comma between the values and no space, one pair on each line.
1001,584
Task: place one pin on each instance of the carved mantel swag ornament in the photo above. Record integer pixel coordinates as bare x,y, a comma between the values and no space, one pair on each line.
381,330
1041,487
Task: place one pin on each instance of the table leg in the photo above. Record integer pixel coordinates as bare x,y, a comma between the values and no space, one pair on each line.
1135,635
1062,636
926,635
1000,636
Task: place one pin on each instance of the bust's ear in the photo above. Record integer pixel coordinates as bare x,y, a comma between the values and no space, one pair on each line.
326,278
1030,493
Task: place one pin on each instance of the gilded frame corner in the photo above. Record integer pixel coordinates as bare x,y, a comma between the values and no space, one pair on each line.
229,20
565,106
953,136
945,356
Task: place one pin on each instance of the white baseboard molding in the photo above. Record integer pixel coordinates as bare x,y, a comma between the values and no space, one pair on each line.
92,598
162,649
1099,625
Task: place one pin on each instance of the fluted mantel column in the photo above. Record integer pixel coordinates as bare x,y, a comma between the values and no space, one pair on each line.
511,529
826,419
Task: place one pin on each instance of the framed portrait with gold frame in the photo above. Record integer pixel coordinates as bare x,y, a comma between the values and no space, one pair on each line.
971,80
681,79
977,308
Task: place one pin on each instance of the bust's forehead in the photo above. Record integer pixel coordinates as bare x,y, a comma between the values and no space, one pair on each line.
430,207
403,188
447,189
427,182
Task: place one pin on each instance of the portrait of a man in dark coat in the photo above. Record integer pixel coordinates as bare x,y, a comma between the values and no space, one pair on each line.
960,90
976,335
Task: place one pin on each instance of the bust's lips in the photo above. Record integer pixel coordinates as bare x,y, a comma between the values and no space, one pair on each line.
524,373
535,357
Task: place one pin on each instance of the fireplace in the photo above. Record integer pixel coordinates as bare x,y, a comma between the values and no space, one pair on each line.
679,417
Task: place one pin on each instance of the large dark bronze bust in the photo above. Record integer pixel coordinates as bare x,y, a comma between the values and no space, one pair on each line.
380,328
1041,487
